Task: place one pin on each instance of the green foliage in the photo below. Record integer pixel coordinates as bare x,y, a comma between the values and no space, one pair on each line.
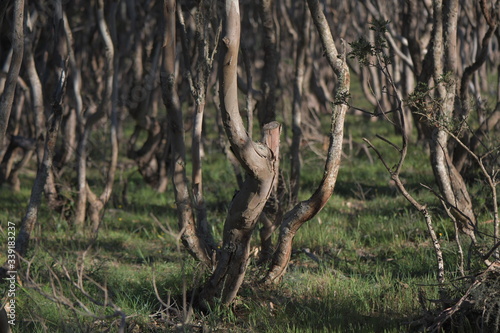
362,50
366,52
425,101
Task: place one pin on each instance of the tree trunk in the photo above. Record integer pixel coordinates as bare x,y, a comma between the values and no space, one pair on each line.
108,101
307,209
35,89
85,194
15,66
267,111
297,106
31,217
259,161
244,212
450,182
187,223
198,87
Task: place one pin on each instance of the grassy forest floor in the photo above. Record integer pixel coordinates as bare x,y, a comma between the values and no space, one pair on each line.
371,256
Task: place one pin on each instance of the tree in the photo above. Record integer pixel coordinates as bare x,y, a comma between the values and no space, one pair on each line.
107,105
258,159
14,68
124,58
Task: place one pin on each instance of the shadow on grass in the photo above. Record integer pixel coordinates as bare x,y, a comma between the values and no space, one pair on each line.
330,315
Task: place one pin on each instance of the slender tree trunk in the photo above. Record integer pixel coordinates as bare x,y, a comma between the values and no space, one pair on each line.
60,49
109,100
307,209
460,155
35,89
267,112
450,182
17,58
198,87
197,175
81,153
149,157
300,63
31,217
85,194
187,223
273,209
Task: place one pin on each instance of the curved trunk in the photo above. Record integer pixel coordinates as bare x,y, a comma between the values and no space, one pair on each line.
85,194
259,161
307,209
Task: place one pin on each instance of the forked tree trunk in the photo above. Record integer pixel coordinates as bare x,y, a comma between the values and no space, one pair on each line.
85,194
259,161
307,209
246,207
96,204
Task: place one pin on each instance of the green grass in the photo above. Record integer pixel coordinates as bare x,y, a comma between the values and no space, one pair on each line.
373,250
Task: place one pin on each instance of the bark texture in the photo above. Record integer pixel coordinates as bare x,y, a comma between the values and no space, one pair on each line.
258,160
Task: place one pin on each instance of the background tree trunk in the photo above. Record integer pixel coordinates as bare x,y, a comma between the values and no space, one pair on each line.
449,180
187,223
10,85
300,62
31,217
